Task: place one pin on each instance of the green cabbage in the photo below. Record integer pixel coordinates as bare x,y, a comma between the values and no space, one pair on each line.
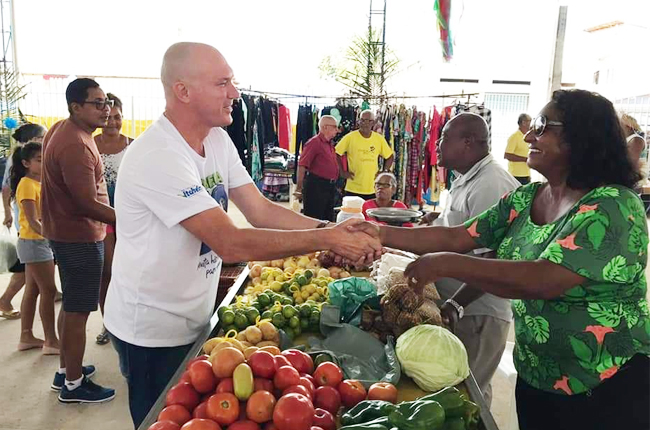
433,356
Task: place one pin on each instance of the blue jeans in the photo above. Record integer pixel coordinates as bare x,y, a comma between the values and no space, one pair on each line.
147,372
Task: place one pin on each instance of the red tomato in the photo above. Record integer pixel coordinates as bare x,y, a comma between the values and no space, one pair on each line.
383,391
177,413
202,376
308,376
352,392
195,359
285,377
293,412
185,377
164,425
262,364
183,394
327,398
225,386
281,360
308,384
328,374
259,407
298,359
223,408
200,424
201,411
244,425
324,419
298,389
261,384
270,426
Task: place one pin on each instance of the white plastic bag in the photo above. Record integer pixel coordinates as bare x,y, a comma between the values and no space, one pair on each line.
8,255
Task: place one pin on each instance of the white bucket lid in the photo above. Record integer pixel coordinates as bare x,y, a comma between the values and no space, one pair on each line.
353,202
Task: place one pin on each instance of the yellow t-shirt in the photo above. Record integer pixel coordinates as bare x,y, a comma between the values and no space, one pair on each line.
28,189
517,146
363,159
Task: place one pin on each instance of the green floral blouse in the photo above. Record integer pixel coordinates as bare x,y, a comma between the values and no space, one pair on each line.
571,343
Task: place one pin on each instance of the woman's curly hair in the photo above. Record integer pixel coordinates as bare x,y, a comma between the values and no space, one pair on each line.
597,147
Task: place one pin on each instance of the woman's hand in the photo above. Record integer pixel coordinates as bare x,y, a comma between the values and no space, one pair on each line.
425,270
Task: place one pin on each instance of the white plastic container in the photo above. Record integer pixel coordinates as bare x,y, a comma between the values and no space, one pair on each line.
351,209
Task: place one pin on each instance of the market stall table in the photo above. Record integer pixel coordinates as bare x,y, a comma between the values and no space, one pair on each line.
407,389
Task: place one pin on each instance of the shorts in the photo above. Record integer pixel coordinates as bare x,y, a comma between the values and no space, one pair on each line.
34,251
80,269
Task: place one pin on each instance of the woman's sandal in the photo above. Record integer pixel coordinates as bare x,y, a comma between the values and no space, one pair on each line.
13,314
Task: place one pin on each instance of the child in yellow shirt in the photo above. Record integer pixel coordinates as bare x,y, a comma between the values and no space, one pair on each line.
33,249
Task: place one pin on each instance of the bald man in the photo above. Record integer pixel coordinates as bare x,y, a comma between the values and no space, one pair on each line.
176,181
480,320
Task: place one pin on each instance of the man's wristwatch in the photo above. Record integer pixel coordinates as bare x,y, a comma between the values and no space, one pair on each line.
460,309
323,224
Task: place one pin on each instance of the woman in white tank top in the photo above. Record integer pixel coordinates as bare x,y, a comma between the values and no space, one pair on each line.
636,145
112,145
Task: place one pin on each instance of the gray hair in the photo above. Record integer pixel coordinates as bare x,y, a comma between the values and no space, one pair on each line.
320,122
391,177
367,111
523,117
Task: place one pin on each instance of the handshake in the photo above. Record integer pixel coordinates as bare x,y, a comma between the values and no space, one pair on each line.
355,242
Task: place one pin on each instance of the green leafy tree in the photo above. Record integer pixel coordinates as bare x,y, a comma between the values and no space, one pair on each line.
359,70
11,92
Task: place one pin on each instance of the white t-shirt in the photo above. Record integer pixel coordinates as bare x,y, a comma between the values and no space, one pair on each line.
164,282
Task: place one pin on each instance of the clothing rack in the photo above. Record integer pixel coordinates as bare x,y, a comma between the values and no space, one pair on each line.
394,97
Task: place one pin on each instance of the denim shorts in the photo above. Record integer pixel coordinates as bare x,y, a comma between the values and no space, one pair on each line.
34,251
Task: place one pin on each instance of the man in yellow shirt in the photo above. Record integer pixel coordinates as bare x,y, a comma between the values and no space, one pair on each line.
363,148
517,151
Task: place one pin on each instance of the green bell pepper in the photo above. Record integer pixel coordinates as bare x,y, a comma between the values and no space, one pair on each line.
367,410
454,424
449,398
376,424
418,415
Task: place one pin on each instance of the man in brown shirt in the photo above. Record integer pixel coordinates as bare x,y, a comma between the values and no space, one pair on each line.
75,212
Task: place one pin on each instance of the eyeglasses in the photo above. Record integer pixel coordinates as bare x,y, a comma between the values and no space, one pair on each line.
367,121
539,124
100,104
381,186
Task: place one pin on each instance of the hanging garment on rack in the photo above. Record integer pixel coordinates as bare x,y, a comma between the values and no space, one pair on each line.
237,130
304,130
284,127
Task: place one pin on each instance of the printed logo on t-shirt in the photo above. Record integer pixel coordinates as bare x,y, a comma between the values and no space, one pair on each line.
190,191
216,188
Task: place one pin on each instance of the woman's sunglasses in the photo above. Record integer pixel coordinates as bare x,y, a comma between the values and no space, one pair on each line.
539,124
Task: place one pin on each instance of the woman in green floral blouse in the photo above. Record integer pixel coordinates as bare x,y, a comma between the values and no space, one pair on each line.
572,254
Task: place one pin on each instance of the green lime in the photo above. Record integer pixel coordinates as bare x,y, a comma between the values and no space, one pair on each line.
227,317
297,331
302,280
267,315
264,299
305,311
252,315
290,332
221,310
322,358
227,328
278,320
241,321
287,301
288,311
309,274
294,322
304,324
314,318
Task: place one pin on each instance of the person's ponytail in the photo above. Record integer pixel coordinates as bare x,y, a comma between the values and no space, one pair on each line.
18,169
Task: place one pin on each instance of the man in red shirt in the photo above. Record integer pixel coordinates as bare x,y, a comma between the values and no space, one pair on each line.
318,170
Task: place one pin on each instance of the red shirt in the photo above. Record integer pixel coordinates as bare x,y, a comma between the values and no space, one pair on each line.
319,158
372,204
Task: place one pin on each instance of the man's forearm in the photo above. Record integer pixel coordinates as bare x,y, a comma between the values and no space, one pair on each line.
99,212
279,217
389,163
424,240
300,178
512,157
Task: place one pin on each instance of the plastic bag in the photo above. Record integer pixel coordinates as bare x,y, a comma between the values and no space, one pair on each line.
8,255
349,295
360,355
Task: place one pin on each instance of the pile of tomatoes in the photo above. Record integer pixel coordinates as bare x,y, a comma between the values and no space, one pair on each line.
287,393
